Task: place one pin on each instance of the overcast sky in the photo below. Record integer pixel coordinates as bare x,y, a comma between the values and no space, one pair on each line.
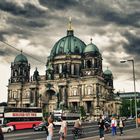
36,25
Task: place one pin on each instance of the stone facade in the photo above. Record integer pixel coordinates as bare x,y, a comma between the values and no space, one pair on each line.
74,78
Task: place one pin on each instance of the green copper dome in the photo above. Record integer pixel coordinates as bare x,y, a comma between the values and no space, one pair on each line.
68,45
20,58
91,48
107,72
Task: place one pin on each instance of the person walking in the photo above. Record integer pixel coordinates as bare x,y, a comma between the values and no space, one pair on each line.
114,126
77,130
121,126
101,125
50,128
63,129
77,124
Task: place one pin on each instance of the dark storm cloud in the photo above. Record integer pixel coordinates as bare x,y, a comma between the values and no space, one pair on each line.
6,51
28,10
130,19
2,53
27,23
108,14
99,9
59,4
133,45
2,33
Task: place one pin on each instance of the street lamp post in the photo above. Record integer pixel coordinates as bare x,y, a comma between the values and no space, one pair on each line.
132,60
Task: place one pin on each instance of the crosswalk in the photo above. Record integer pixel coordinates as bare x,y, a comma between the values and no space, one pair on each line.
90,130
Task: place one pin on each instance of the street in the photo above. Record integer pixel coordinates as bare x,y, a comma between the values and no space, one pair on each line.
90,129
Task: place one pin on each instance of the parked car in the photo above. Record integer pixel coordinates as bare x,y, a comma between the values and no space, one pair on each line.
124,118
41,126
7,129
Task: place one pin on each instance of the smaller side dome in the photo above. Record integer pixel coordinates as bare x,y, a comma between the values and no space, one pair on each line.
91,48
107,72
21,58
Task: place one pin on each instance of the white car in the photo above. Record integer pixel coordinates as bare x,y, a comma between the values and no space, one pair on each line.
7,129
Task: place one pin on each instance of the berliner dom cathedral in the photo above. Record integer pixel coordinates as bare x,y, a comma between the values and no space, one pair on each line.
74,78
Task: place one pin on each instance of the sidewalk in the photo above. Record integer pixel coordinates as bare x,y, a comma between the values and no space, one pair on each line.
132,134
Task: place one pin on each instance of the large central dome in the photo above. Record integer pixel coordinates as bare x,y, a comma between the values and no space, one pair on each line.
68,45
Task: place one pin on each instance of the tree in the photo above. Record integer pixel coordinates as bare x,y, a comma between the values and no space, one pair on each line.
82,111
126,109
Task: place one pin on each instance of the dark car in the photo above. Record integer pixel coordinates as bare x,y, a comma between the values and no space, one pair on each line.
1,134
41,126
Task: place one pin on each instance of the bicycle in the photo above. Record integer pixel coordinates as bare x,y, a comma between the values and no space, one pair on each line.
77,133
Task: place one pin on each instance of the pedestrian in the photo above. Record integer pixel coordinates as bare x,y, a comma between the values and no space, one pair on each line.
50,128
77,131
101,125
77,124
1,134
63,129
114,126
107,124
121,126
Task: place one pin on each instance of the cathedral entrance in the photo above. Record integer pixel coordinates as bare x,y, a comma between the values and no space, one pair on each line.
88,106
50,94
75,105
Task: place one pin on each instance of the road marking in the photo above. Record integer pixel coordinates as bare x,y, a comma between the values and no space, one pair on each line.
23,138
22,134
105,135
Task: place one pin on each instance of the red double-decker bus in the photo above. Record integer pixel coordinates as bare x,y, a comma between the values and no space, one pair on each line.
20,118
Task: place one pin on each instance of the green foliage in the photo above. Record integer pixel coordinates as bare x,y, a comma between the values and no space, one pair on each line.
127,108
45,114
124,109
82,111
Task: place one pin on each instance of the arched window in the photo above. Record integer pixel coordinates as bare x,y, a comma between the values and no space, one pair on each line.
72,69
89,63
60,68
76,69
56,69
16,73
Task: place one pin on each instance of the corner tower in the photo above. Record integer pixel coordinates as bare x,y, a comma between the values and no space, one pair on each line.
20,69
92,61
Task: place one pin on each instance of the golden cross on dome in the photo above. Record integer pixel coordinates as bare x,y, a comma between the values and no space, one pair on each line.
69,25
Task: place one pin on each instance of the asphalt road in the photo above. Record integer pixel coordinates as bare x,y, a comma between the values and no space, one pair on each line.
90,129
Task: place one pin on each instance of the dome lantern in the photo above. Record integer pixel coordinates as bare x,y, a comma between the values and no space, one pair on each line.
91,48
70,30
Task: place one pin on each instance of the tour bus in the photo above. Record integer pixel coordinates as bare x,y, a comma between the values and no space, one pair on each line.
20,118
69,117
